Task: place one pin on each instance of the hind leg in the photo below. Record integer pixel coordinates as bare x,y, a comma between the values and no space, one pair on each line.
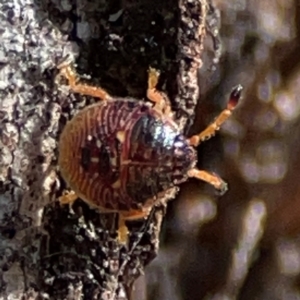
128,216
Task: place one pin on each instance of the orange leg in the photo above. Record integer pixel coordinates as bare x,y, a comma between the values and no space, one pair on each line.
160,99
123,217
68,198
81,88
212,179
122,228
234,98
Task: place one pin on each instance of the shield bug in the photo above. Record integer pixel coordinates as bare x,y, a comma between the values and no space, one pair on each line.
122,154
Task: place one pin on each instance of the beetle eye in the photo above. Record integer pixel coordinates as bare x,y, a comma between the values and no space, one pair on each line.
178,144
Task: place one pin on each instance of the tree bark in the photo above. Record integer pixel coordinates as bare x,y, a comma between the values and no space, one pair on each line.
54,252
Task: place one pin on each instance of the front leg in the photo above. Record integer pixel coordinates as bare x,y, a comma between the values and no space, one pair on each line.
211,129
81,88
212,179
160,99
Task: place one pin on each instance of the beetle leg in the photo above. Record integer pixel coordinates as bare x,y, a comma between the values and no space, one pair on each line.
81,88
212,179
206,134
160,99
123,230
68,198
211,129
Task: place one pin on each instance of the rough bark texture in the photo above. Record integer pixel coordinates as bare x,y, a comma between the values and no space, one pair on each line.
53,252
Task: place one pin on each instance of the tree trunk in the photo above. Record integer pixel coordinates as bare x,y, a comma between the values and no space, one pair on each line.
58,252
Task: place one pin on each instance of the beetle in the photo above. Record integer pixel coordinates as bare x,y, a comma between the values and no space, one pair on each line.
122,155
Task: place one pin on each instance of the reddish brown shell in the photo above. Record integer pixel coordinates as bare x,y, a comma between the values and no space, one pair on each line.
118,155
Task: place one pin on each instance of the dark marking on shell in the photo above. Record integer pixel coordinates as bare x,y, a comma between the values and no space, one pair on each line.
124,173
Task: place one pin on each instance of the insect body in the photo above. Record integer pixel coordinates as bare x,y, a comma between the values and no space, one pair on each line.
120,155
